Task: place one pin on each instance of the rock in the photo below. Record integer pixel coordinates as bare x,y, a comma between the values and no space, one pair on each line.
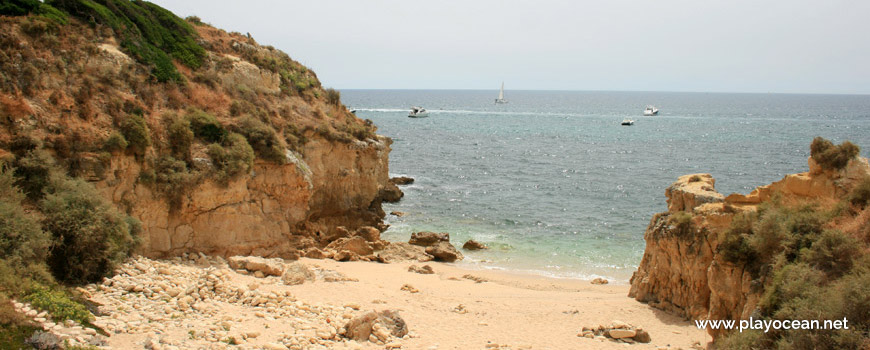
617,324
337,233
599,281
370,234
390,193
473,245
269,267
402,180
444,251
642,336
297,273
425,269
401,251
690,191
474,278
397,213
409,288
335,276
45,341
621,333
426,239
360,328
357,245
275,346
314,253
345,255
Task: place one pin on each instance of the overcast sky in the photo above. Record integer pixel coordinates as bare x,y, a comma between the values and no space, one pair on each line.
819,46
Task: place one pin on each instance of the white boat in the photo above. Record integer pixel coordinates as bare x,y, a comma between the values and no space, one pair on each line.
650,110
418,112
627,122
500,98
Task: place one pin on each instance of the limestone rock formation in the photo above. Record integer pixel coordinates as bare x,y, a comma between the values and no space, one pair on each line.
401,251
402,180
426,239
444,251
473,245
682,271
381,325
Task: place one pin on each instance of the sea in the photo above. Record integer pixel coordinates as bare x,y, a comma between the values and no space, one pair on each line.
555,186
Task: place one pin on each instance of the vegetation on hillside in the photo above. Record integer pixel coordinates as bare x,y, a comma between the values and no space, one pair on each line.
812,262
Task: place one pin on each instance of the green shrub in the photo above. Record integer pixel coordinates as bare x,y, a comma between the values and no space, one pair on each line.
831,157
206,127
860,195
234,160
150,33
180,138
833,252
137,134
115,143
263,139
22,240
173,179
90,235
333,97
682,222
33,172
58,304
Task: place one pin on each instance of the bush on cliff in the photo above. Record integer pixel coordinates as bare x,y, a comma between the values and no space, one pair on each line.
90,235
263,139
831,157
173,179
206,127
808,270
180,138
233,159
137,134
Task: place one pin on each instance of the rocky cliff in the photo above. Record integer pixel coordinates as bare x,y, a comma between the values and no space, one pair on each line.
685,269
162,116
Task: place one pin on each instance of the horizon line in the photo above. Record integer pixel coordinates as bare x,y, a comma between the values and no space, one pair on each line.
656,91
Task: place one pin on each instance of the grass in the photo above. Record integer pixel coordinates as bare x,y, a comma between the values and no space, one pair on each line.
150,33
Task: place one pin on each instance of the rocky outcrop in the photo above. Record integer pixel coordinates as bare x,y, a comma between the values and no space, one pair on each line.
401,251
681,270
273,212
473,245
437,245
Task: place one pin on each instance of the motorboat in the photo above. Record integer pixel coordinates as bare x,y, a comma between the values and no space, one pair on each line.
418,112
500,99
627,122
650,110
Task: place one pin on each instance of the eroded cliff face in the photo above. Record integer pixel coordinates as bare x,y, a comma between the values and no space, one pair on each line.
276,210
682,270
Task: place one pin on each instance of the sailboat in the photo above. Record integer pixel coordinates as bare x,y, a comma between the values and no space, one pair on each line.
500,98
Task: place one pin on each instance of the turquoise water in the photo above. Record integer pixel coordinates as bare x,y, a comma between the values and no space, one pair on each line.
556,186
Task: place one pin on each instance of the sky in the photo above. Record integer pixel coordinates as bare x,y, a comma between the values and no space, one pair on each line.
781,46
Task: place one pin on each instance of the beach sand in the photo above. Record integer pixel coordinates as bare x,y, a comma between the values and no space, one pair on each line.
515,310
149,305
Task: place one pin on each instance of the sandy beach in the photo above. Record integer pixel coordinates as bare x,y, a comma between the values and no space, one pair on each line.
202,303
512,310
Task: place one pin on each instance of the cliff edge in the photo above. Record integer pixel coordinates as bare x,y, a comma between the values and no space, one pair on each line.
705,257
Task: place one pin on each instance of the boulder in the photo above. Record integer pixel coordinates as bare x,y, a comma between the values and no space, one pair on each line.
444,251
402,180
315,253
271,267
297,273
356,244
337,233
397,213
345,255
390,193
401,251
426,239
599,281
361,327
642,336
621,333
473,245
425,269
370,234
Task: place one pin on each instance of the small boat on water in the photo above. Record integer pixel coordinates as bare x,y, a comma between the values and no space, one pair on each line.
418,112
651,110
500,99
627,122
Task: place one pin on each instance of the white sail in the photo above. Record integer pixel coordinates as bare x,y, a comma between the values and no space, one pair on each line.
500,98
